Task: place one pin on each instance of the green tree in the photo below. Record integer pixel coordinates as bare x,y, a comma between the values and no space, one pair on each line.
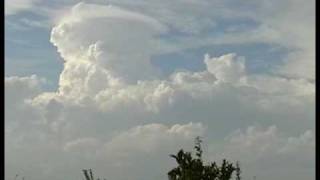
190,168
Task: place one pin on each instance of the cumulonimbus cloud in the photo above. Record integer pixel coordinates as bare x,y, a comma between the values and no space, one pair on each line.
111,99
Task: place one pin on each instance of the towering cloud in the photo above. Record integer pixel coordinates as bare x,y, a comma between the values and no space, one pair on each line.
113,109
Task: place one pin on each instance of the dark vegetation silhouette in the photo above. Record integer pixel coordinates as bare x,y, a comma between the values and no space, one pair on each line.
238,171
193,168
89,175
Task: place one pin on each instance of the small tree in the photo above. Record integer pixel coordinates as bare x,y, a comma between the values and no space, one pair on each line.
88,174
190,168
238,171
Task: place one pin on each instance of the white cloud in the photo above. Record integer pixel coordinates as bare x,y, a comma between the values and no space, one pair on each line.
262,151
305,143
226,68
110,50
112,103
196,20
17,88
153,137
16,6
88,125
253,141
83,147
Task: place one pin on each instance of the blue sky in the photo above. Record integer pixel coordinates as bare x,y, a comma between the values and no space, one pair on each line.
29,51
104,84
24,39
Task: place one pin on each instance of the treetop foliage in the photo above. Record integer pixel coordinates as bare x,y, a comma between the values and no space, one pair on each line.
193,168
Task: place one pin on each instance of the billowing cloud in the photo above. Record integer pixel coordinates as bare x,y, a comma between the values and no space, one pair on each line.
18,88
263,151
113,109
111,46
226,68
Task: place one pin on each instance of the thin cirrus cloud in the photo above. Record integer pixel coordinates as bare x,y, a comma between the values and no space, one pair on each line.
16,6
114,111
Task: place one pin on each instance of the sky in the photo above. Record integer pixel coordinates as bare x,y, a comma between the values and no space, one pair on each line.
118,85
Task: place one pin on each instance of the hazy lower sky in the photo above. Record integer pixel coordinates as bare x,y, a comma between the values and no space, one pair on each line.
118,85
